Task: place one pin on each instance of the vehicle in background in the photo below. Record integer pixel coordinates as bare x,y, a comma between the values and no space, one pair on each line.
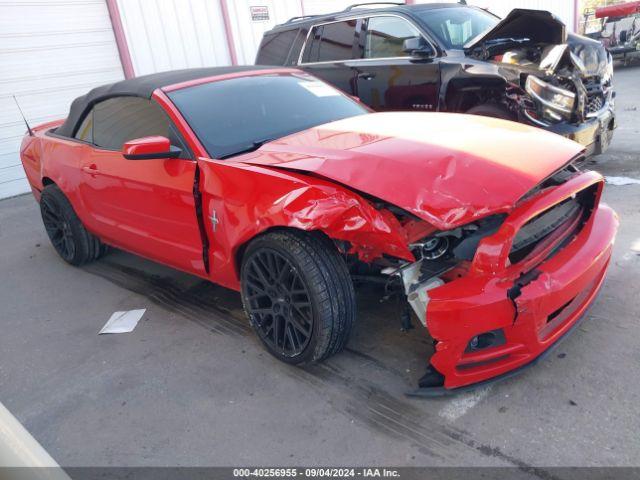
619,30
458,58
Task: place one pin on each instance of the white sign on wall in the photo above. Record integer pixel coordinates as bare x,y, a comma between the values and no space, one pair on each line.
259,13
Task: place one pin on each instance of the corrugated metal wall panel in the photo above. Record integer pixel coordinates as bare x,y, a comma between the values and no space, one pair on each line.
50,53
172,34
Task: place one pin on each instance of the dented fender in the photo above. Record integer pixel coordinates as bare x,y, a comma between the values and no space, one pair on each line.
237,207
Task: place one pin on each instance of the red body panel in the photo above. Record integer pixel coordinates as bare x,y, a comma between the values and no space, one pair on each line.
246,207
146,146
446,169
479,303
142,206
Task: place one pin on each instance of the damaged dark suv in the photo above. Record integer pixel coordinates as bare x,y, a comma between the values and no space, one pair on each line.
458,58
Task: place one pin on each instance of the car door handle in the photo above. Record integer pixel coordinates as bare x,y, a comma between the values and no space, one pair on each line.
366,75
91,169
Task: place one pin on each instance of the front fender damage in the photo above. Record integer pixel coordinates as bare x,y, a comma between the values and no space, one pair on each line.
246,201
341,215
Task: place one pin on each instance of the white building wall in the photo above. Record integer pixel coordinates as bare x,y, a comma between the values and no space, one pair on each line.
169,34
247,33
50,53
172,34
318,7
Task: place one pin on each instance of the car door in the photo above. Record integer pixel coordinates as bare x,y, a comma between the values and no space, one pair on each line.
329,52
389,78
143,206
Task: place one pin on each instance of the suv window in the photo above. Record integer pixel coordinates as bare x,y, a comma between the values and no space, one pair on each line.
113,122
331,42
456,26
385,37
274,48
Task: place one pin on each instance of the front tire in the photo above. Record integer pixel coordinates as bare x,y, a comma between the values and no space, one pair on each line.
298,295
65,230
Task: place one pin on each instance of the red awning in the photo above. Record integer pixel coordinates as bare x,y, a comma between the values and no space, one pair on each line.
620,10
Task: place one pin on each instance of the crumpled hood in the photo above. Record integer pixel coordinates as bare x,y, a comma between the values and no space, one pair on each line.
447,169
538,26
545,28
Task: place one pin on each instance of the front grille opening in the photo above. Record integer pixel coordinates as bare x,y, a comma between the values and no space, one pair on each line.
540,227
594,103
595,95
555,314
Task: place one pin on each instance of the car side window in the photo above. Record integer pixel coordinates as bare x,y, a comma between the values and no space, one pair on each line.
120,119
117,120
331,42
385,36
85,132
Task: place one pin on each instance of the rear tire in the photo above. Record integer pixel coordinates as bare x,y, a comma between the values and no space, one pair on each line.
492,110
65,230
298,295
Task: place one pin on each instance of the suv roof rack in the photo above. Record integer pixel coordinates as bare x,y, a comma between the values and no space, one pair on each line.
351,7
299,17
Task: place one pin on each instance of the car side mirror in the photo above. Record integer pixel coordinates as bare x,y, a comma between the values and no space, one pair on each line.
149,148
417,47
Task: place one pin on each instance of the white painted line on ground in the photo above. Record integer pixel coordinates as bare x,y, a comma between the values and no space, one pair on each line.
619,181
460,405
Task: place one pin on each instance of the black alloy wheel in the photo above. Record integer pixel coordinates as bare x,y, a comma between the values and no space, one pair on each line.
65,230
278,303
298,295
58,228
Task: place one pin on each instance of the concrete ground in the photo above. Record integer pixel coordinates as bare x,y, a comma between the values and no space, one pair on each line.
192,385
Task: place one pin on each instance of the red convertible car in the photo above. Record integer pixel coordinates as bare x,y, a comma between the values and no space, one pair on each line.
273,183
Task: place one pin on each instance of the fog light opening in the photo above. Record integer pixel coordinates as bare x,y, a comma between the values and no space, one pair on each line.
493,338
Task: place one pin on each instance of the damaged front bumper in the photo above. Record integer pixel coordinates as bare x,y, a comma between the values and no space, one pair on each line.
590,121
499,317
594,133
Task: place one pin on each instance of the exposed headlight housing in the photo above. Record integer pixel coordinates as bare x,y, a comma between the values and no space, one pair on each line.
557,102
607,77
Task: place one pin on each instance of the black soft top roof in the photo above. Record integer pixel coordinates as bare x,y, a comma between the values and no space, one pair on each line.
143,87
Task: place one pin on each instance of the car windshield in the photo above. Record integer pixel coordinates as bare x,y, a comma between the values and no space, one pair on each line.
233,116
455,26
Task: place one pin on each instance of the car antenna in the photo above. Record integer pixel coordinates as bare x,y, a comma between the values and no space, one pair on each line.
23,117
